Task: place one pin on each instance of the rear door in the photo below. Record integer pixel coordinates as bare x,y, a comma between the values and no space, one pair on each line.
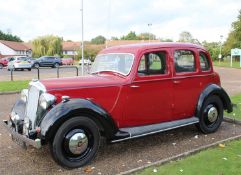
149,96
186,82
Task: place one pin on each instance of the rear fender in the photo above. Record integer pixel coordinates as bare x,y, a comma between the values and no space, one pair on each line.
210,90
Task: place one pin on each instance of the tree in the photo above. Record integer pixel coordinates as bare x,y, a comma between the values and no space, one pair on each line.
130,36
9,37
234,37
98,40
47,45
147,36
166,40
213,49
185,36
114,38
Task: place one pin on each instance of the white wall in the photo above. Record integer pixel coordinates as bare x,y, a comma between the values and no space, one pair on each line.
4,50
69,52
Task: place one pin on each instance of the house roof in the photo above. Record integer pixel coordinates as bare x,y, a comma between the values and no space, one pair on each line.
70,45
15,45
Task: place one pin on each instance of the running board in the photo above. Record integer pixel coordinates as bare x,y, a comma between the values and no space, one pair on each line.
139,131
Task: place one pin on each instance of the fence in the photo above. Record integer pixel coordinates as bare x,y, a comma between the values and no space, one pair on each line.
75,68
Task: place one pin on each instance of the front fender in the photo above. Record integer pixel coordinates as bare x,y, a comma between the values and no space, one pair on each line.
76,107
214,89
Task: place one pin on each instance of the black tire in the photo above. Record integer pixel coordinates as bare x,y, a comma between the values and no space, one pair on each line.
1,66
211,115
36,65
29,69
60,146
56,65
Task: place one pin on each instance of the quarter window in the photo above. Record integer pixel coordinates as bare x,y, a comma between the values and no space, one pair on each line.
184,61
152,64
204,62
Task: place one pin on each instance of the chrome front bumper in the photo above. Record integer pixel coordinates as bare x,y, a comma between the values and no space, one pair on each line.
20,139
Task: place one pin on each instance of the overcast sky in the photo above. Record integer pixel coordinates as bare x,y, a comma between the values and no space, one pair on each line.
205,19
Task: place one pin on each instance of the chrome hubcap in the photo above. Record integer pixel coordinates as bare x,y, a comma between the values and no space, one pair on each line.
78,143
212,114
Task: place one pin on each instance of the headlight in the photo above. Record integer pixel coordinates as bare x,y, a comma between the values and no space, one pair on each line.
46,100
24,95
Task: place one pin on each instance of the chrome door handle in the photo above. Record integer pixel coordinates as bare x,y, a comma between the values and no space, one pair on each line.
134,86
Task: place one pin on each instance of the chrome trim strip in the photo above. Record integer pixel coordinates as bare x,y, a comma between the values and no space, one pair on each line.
162,130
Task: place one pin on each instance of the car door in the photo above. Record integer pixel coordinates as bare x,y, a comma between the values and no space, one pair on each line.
44,61
149,96
186,82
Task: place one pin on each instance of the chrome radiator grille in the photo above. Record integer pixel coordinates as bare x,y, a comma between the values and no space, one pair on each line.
32,104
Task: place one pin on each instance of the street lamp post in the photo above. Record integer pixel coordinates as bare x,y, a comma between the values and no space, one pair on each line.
149,25
220,49
82,42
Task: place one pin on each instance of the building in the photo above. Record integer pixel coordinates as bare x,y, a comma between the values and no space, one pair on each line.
70,48
12,48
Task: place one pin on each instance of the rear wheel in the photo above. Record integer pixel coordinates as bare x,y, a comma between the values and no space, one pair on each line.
36,65
56,65
76,142
211,115
1,66
29,69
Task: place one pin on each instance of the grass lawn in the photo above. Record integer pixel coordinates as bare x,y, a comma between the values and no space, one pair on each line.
215,161
226,64
7,86
237,108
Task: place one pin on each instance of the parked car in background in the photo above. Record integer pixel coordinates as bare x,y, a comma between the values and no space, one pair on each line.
19,62
151,88
4,62
67,61
32,60
47,61
86,62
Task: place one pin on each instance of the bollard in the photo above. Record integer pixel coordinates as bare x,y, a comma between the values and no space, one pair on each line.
38,73
11,74
77,71
57,72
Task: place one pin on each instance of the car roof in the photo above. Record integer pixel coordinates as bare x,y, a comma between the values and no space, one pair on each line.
134,48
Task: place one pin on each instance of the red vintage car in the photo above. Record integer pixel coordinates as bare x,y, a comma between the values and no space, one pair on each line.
132,91
4,62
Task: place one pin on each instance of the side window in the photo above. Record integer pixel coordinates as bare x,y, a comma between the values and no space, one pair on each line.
184,61
152,64
204,62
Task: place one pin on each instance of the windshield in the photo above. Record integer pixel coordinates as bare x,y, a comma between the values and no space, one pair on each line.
114,62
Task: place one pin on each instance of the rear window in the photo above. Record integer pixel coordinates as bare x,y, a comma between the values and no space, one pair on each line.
204,62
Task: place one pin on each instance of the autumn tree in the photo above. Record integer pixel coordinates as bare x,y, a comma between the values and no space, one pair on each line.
47,45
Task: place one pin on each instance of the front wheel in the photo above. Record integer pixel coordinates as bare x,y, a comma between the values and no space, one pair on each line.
76,142
211,115
56,65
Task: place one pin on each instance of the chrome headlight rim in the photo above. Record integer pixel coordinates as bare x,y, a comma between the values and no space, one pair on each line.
46,100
